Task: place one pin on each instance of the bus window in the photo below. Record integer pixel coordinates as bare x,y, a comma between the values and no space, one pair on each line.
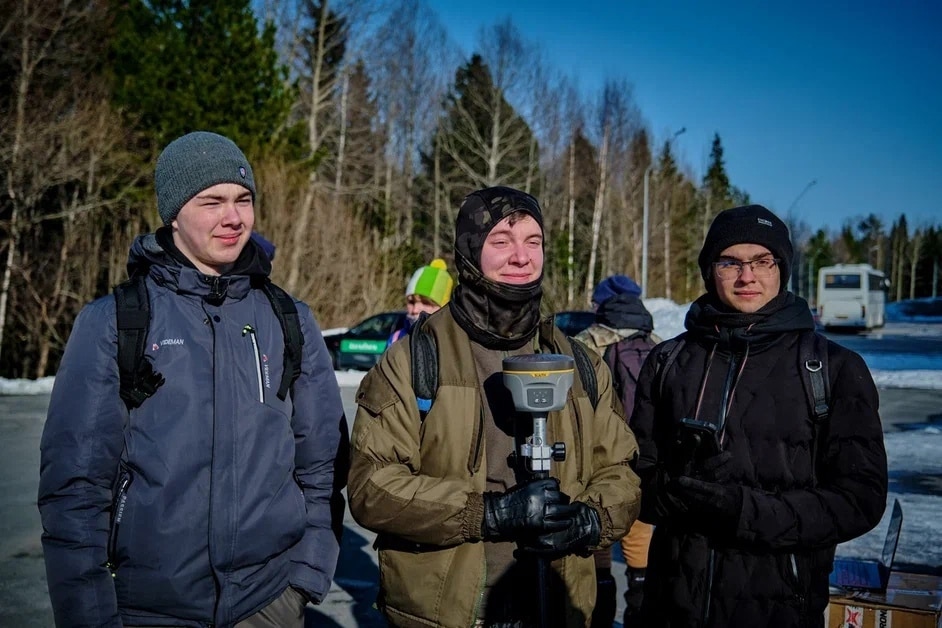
842,281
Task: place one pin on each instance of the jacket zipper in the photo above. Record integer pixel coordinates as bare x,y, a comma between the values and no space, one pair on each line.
119,503
721,425
248,329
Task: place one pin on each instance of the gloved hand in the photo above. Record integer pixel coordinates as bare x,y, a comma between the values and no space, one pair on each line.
719,468
524,510
662,502
719,505
583,530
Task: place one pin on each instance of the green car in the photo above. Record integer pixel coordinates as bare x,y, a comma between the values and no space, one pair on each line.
361,346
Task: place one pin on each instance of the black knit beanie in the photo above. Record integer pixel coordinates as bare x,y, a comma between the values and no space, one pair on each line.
752,224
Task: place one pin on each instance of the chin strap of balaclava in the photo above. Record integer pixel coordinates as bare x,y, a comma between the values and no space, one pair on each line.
496,315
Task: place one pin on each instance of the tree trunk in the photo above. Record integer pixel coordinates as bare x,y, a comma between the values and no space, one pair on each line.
437,203
570,259
667,248
341,143
914,262
597,214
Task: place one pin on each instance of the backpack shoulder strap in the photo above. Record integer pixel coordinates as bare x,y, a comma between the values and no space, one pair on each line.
424,356
287,314
611,357
586,373
813,369
813,364
665,358
138,378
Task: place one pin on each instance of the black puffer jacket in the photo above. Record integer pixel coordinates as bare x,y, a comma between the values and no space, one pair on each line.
771,567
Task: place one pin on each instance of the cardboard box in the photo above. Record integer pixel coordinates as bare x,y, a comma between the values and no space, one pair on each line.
910,601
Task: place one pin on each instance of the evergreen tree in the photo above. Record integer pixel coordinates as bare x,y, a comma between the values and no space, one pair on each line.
872,241
185,65
717,191
484,141
818,253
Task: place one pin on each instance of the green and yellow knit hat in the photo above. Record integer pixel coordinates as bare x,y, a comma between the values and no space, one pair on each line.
432,282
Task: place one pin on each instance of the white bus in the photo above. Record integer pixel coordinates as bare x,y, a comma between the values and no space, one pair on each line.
851,295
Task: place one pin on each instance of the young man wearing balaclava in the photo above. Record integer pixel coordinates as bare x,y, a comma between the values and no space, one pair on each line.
747,521
459,521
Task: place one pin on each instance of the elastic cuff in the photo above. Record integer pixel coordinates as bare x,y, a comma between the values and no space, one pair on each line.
473,522
605,524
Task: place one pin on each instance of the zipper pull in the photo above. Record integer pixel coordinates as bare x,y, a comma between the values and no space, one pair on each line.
248,329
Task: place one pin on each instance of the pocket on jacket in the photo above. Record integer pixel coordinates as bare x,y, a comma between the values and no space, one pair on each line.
119,504
283,524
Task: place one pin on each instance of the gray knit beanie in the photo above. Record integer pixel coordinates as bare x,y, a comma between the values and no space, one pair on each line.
194,162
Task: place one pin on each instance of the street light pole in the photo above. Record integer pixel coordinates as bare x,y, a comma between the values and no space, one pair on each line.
807,187
795,277
644,223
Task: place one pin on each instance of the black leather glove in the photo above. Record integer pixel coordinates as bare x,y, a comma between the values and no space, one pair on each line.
524,510
719,505
583,530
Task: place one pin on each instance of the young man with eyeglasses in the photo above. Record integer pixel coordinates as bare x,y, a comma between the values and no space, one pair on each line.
749,491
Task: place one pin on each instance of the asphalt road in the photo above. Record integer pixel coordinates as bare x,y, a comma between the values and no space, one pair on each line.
24,601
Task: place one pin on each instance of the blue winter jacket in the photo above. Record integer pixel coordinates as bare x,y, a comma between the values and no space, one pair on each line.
202,505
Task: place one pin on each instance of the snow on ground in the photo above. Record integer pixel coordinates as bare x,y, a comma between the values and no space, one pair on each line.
889,370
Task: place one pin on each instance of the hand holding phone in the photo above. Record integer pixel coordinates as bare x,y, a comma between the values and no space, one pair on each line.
698,439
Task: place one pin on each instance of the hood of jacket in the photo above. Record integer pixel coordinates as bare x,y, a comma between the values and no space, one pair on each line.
624,311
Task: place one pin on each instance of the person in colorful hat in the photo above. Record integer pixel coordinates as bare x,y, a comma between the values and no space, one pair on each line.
427,291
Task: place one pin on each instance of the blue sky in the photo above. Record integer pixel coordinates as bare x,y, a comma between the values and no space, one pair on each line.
847,94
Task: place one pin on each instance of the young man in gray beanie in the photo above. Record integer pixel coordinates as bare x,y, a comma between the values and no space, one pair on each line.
215,501
750,485
448,493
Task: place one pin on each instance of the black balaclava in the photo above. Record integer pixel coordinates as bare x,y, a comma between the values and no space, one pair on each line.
496,315
753,224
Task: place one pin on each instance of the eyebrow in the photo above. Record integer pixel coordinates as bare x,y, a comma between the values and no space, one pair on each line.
730,258
222,197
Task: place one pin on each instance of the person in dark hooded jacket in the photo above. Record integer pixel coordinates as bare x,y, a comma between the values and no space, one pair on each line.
623,334
216,501
747,520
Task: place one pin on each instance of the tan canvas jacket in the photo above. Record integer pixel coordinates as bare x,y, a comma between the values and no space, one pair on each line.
419,484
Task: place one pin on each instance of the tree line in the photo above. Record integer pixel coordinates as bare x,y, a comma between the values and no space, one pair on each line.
366,127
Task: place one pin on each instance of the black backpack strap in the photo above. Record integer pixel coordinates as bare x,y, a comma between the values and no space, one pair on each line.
424,356
138,378
287,314
813,364
586,373
665,358
610,357
813,370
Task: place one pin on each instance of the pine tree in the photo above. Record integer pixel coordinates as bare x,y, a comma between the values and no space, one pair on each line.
484,141
717,193
180,66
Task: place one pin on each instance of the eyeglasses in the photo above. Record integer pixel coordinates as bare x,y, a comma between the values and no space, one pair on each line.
732,268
